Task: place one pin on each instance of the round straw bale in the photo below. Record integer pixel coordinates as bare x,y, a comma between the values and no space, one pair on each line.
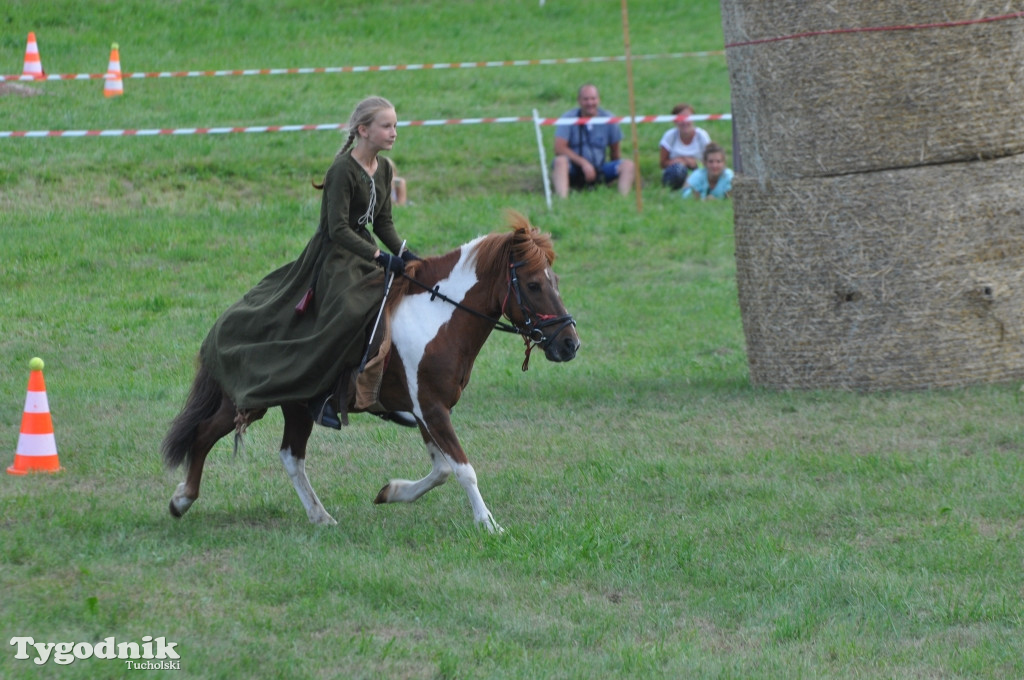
900,279
933,84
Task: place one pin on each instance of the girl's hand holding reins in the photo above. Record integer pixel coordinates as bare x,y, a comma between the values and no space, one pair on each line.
391,263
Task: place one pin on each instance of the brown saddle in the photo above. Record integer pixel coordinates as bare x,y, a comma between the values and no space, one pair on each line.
360,391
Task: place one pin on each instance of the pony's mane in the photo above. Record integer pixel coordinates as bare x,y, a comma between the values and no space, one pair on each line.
523,243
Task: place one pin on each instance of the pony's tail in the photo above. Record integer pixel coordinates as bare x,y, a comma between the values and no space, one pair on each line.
203,401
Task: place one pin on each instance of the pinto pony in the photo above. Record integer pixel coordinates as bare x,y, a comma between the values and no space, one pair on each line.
441,313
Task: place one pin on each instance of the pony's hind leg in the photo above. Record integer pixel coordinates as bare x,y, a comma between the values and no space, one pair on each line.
297,427
208,433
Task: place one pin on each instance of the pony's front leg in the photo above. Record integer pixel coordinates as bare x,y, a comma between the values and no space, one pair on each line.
466,475
444,464
297,427
406,491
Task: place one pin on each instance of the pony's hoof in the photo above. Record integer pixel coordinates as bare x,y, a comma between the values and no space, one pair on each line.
324,520
384,495
491,526
180,503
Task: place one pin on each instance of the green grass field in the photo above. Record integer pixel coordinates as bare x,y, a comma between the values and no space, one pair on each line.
664,518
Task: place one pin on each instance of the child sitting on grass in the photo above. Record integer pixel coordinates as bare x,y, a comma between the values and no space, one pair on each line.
713,180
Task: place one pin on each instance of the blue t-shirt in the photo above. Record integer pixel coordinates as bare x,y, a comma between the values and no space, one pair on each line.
698,181
591,140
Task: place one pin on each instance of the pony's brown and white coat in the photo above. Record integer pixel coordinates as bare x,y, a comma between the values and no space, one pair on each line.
434,344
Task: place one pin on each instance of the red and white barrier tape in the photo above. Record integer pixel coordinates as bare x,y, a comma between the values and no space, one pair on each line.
340,126
629,119
360,69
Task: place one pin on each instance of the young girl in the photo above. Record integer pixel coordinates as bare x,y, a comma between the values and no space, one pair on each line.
714,180
298,331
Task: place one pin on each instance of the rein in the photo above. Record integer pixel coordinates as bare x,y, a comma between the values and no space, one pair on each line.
531,334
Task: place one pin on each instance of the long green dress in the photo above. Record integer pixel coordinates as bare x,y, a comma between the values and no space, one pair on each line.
264,353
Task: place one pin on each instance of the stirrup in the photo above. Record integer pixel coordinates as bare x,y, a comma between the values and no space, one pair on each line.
323,412
402,418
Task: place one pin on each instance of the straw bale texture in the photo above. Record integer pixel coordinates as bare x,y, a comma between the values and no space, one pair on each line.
841,103
900,279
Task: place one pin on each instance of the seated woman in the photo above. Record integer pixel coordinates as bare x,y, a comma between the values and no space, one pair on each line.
713,180
681,148
399,188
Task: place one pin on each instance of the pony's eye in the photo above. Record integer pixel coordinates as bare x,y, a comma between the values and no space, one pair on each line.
533,286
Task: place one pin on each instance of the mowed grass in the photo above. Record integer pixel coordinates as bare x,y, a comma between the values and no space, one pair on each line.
664,518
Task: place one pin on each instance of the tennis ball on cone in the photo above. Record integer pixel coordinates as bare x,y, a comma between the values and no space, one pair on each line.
36,364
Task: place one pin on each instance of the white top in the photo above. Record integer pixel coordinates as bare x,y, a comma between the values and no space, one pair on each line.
671,142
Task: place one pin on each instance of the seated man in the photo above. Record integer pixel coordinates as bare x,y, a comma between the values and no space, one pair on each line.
580,150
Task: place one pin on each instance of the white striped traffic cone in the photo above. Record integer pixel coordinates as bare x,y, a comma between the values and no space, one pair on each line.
37,448
33,66
113,86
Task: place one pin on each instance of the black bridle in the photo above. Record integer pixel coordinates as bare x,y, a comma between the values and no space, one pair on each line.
533,331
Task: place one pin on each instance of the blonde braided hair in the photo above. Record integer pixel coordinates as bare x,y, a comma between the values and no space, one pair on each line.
363,114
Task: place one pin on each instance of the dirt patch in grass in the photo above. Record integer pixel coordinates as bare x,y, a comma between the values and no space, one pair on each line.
18,90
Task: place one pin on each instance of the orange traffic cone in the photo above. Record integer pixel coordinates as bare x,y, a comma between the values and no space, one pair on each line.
113,86
37,449
33,66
